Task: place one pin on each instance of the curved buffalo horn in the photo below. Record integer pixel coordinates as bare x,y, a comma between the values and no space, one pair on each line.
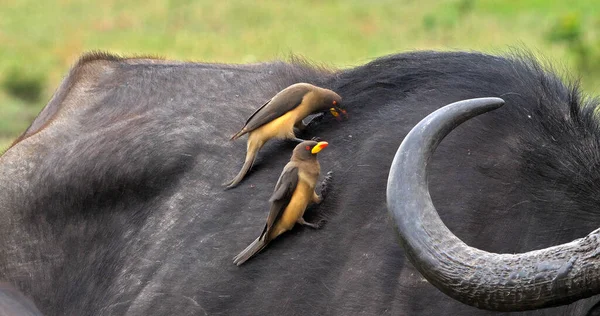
505,282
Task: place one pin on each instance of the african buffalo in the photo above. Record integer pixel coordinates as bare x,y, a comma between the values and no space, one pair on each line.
112,201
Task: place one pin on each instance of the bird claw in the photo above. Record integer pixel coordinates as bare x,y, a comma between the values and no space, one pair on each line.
320,223
317,225
325,184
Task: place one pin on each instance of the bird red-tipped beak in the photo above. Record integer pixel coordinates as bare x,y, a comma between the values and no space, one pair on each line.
338,113
318,147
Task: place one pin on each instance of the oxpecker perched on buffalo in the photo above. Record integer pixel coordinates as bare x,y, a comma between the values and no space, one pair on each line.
294,191
278,117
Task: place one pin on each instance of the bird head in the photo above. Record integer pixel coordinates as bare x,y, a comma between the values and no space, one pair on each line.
333,102
309,149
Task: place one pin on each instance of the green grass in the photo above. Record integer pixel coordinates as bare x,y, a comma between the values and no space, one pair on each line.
41,39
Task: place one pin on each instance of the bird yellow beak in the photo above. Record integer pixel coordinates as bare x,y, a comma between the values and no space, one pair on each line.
338,112
318,147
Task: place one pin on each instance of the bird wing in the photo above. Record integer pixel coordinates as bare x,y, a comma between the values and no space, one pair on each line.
288,180
280,104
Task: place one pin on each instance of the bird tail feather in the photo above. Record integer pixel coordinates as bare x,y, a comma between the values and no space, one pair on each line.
256,246
238,134
253,149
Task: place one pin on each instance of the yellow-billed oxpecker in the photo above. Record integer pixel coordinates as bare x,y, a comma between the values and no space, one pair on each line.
294,191
278,117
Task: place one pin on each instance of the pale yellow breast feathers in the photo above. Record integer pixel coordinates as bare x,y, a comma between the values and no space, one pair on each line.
306,107
295,209
283,126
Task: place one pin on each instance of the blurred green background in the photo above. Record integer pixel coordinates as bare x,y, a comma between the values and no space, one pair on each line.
41,39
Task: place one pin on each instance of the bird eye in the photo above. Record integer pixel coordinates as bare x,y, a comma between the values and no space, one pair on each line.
307,147
334,102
